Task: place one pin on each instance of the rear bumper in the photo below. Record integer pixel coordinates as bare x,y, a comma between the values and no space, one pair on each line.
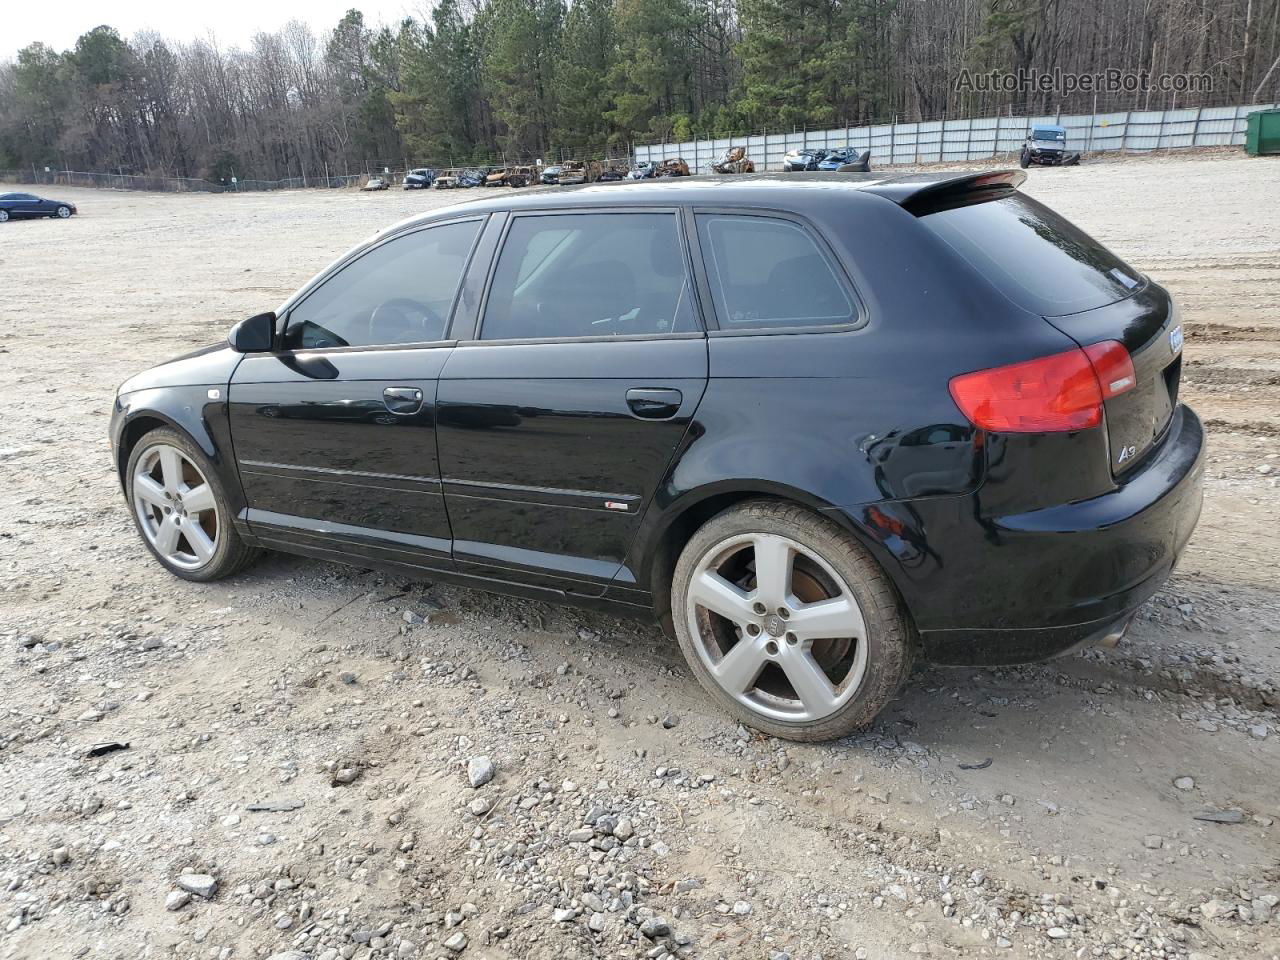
1011,589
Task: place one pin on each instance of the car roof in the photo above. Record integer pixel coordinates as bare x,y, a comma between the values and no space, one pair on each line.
780,191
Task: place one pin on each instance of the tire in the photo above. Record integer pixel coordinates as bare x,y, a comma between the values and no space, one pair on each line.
1024,160
856,676
4,215
62,212
228,554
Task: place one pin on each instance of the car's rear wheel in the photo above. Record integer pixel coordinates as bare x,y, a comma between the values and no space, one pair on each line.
63,211
788,622
181,510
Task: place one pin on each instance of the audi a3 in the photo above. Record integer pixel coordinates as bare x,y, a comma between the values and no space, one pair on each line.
817,428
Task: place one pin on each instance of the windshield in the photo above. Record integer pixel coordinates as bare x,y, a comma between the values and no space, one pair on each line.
1037,259
1048,133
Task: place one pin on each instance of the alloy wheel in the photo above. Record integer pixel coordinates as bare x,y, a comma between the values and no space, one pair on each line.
176,508
777,628
4,215
64,212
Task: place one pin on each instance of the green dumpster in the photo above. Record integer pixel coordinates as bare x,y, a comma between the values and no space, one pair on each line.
1263,133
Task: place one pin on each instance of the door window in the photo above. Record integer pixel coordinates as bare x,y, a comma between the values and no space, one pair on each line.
590,275
768,272
400,291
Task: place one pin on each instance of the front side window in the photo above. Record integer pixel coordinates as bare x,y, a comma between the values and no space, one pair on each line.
768,272
590,275
401,291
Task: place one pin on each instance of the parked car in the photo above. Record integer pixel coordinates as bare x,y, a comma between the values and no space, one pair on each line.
814,474
672,167
473,177
644,170
509,177
573,172
734,160
14,206
612,174
837,160
551,174
420,179
1046,144
375,183
449,182
802,159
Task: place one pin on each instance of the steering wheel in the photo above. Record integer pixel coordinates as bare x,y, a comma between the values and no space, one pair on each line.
389,322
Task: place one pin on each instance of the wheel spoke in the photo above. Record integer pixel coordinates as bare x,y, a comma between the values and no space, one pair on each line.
809,682
149,490
718,595
171,469
167,536
200,543
827,619
198,499
774,559
738,669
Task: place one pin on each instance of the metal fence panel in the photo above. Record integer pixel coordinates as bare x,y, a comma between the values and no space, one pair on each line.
979,138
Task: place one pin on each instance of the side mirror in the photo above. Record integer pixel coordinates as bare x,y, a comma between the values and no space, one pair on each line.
255,335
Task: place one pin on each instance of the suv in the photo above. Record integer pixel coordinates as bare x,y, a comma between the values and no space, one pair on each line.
721,405
1046,144
419,179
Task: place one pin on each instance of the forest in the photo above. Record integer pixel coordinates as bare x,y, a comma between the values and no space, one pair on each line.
484,80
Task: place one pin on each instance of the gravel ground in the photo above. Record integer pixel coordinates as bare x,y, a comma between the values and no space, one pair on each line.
448,773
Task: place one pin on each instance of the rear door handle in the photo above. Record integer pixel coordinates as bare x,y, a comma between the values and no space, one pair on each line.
402,400
654,403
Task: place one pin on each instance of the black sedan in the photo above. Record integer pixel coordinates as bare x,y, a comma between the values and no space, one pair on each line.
813,473
16,205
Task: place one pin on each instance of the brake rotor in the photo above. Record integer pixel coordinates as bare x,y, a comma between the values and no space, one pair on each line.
809,589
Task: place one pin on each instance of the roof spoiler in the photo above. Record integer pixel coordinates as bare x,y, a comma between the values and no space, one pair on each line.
930,194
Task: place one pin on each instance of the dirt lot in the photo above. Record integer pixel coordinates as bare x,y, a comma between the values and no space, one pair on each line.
627,817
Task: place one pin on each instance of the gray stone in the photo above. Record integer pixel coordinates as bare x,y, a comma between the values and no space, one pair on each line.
563,916
456,943
742,908
596,923
624,829
1184,783
480,771
480,806
655,927
1057,933
201,884
176,900
581,835
1153,841
290,955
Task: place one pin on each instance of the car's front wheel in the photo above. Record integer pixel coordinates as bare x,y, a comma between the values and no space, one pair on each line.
63,211
1024,160
4,215
788,622
181,510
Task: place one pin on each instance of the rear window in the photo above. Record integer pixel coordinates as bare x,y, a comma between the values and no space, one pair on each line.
767,272
1034,257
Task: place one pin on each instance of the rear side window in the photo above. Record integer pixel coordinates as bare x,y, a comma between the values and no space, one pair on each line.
766,272
1036,258
400,291
590,275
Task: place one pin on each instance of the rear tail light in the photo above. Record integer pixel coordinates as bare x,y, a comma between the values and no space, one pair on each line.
1060,392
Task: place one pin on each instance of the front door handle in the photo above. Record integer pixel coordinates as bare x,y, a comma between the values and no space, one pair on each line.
654,403
402,400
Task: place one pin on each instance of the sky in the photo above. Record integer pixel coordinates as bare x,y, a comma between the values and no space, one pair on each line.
231,22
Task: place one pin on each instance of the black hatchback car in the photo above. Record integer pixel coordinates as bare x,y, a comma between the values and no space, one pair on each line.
14,206
815,428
